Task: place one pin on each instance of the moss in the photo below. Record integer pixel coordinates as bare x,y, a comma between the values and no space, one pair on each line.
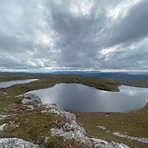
133,124
35,126
30,125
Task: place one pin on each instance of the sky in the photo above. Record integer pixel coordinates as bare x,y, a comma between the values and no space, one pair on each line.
74,35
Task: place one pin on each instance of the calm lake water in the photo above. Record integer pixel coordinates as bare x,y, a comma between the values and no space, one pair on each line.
9,83
83,98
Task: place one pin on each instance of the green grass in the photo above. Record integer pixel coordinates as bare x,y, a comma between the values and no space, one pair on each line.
31,125
132,124
34,126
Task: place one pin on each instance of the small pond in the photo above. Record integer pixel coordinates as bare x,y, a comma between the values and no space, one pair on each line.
9,83
78,97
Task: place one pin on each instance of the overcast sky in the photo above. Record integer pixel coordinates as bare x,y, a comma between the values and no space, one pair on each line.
74,34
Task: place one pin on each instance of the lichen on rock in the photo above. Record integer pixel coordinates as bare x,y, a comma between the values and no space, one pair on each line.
64,126
71,130
16,143
31,98
143,140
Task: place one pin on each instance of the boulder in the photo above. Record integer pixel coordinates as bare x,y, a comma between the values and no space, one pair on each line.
31,98
16,143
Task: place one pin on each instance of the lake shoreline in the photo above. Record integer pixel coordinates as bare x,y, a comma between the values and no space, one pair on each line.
79,97
133,123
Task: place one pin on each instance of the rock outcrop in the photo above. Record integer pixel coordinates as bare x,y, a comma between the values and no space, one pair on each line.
16,143
71,130
2,126
31,98
67,128
142,140
3,116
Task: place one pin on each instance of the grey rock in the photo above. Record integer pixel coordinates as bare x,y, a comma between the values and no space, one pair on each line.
54,108
71,130
1,92
75,134
142,140
31,98
16,143
4,116
30,107
99,143
102,127
2,126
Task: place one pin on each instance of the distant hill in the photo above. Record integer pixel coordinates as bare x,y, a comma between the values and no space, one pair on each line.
132,79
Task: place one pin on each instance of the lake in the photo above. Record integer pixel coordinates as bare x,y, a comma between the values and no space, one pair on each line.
9,83
78,97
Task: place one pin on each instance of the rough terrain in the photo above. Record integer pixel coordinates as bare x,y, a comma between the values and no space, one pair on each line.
68,128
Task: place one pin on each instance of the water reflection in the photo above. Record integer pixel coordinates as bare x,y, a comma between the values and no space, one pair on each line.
79,97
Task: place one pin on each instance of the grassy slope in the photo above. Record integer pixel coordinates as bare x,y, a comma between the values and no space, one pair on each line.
134,123
35,126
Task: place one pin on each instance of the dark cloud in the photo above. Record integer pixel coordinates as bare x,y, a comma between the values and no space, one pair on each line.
134,26
76,34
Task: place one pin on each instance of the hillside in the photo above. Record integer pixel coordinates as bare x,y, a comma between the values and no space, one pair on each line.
48,126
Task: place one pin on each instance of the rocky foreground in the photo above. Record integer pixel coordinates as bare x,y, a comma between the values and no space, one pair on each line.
67,129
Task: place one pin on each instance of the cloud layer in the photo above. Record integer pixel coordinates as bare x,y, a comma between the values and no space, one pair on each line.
74,34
